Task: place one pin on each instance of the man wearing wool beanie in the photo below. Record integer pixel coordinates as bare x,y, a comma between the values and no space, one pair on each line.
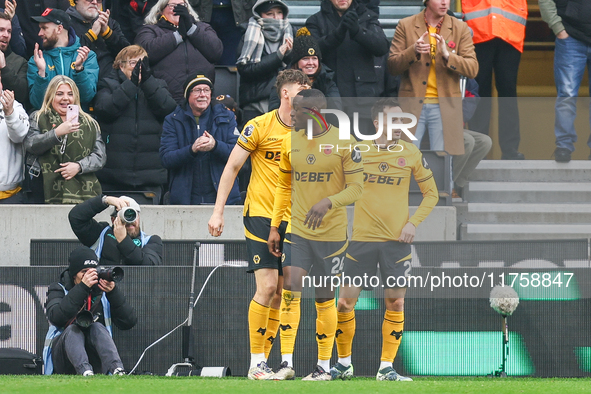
197,138
78,345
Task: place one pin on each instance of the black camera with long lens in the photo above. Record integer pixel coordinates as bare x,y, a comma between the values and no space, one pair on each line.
127,215
111,274
84,319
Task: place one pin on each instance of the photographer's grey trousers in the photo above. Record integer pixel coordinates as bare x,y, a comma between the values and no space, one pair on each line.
76,351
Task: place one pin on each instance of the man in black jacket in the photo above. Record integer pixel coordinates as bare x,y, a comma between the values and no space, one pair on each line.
350,37
98,32
75,347
121,243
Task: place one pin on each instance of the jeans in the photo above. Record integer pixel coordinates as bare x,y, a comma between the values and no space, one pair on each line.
570,58
76,351
430,119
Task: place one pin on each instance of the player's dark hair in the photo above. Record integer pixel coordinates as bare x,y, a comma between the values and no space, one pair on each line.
291,76
313,98
381,104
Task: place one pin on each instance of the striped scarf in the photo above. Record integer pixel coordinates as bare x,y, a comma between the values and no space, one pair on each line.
260,30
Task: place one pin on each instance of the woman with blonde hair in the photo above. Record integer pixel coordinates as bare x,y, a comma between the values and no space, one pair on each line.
69,150
178,44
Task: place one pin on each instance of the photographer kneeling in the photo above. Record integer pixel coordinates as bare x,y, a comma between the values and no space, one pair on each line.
80,308
121,243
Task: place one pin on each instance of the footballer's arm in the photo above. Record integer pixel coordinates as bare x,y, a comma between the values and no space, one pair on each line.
234,164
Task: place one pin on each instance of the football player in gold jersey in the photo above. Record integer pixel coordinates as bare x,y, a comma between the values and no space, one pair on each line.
321,182
261,140
383,236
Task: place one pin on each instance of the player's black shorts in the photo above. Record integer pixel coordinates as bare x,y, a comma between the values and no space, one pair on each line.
318,257
258,251
362,258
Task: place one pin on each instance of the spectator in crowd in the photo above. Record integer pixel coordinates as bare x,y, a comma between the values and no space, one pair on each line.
121,242
228,18
195,158
17,41
62,55
98,32
75,342
131,14
12,66
307,57
179,45
131,106
499,32
70,150
431,66
14,125
350,37
476,145
263,49
27,9
569,20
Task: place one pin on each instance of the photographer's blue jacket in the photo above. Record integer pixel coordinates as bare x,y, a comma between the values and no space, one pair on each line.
178,136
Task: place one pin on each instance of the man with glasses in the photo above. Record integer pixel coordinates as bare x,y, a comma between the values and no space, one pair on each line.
197,139
97,31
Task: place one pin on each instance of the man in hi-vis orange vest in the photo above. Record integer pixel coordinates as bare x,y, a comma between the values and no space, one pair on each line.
499,32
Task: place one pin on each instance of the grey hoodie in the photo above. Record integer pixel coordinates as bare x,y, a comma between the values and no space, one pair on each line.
13,130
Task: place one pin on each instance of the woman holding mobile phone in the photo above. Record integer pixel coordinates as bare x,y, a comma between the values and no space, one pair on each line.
68,143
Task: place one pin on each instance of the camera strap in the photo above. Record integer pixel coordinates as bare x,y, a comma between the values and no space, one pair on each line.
89,301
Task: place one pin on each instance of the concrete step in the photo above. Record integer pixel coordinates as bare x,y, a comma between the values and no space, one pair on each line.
532,171
528,192
497,213
496,232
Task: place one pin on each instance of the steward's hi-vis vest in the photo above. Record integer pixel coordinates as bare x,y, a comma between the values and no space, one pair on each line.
504,19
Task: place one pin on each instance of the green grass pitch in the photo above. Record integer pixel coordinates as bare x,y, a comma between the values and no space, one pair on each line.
158,384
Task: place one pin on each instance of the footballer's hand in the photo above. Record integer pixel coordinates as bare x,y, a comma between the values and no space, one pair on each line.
316,213
216,224
408,233
274,241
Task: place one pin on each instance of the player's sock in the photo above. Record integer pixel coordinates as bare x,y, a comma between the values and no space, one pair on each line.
391,334
258,315
272,327
344,336
325,364
384,364
344,361
326,325
290,321
255,359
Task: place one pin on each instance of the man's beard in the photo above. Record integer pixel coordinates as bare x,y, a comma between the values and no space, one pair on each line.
50,42
89,15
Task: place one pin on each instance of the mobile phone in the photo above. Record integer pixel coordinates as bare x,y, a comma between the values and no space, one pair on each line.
72,113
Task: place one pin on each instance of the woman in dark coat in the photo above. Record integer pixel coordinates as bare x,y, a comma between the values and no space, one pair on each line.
178,44
131,106
263,49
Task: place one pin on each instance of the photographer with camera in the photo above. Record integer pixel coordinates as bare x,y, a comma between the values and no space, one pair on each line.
81,308
122,242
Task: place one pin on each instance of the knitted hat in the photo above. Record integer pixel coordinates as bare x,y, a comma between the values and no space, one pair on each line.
80,259
304,45
195,80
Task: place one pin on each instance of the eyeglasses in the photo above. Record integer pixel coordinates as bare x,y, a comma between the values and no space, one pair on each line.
132,63
171,6
198,91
